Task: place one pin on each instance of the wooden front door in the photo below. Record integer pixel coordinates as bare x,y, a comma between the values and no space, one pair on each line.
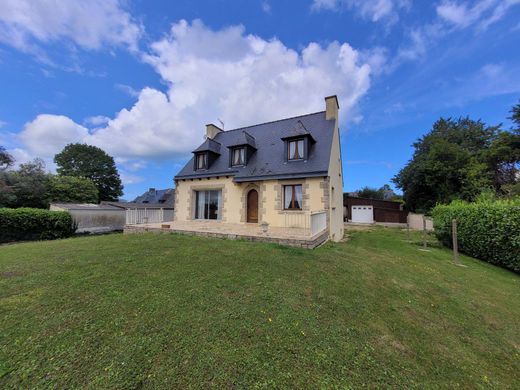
252,206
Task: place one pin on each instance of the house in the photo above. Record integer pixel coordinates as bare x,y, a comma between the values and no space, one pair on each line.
365,210
151,207
153,196
280,179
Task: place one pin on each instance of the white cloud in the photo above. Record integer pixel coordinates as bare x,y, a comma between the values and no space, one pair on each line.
47,134
97,120
266,7
373,10
2,123
482,12
226,74
25,24
130,91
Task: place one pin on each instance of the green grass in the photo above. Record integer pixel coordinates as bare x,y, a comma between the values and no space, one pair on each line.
168,311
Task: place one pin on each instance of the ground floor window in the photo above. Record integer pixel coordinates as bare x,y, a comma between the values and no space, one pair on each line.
293,197
208,204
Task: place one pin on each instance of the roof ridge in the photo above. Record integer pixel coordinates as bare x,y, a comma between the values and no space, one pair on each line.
265,123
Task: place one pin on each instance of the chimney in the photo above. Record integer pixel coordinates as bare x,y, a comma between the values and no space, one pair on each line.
212,130
151,191
331,107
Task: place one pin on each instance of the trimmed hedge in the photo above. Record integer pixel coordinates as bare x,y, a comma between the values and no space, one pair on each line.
34,224
488,230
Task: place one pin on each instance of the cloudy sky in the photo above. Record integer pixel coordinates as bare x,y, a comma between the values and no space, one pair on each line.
141,79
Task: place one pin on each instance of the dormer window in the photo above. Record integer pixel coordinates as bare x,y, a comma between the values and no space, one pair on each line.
201,161
295,149
238,156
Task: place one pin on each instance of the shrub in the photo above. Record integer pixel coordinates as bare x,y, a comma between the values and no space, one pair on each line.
34,224
487,229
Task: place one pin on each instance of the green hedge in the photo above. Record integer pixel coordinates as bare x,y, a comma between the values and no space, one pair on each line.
488,230
34,224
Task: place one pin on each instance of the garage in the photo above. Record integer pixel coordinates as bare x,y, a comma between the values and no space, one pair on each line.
363,214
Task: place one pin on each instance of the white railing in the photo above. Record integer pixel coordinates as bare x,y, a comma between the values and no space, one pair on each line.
318,222
296,220
139,216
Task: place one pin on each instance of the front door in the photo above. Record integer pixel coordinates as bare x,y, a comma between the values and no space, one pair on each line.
252,206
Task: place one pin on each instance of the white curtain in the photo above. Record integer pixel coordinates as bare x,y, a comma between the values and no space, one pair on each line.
287,197
298,197
292,150
300,149
201,204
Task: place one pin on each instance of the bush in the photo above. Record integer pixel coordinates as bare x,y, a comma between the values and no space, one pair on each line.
487,229
34,224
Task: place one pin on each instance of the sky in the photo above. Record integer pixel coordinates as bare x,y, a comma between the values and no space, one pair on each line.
141,79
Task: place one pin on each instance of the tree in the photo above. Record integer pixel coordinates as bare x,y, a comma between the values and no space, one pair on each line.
6,160
452,161
515,116
72,189
93,163
371,193
29,185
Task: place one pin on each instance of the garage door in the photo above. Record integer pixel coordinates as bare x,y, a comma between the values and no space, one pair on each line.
363,214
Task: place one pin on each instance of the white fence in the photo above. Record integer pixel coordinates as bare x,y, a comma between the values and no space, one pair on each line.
139,216
296,220
318,222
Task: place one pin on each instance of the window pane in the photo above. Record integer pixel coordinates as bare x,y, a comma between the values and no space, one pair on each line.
292,150
300,148
298,197
242,156
208,204
287,197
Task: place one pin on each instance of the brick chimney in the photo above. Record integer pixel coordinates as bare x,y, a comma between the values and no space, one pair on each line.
212,130
331,107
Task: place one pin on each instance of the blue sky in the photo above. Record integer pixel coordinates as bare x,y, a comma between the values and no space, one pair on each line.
141,79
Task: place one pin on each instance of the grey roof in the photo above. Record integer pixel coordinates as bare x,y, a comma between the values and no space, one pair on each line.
269,160
134,205
242,138
209,145
166,196
85,206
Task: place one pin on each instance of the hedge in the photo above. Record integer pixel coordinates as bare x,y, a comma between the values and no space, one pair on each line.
34,224
488,230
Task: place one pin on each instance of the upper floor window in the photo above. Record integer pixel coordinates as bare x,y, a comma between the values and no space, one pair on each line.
238,157
201,161
293,197
295,149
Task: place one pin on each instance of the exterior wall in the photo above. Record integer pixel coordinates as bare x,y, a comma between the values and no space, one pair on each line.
415,222
336,226
384,210
270,200
96,220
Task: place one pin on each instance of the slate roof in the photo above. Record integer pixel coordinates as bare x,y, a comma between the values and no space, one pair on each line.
209,145
269,160
153,196
242,138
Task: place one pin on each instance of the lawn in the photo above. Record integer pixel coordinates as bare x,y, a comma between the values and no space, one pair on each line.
171,311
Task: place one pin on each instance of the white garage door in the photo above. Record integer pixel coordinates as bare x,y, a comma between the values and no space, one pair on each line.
362,214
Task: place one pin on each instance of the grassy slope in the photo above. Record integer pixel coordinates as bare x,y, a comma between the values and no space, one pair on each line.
177,311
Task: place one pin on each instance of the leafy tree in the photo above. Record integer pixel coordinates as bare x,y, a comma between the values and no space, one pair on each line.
29,185
93,163
452,161
72,189
371,193
515,116
6,160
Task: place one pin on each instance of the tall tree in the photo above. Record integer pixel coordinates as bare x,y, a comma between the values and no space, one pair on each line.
371,193
29,185
72,189
450,162
93,163
515,116
6,160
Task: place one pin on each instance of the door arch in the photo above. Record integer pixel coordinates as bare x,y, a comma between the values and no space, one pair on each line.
252,206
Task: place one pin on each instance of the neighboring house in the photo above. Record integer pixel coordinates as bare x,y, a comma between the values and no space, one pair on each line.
364,210
285,174
153,196
93,218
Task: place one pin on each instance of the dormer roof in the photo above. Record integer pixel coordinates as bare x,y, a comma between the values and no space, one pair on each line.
242,138
209,145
